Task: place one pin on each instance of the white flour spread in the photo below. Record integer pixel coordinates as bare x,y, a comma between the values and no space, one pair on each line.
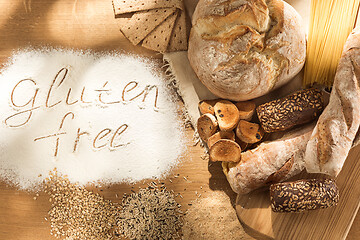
107,118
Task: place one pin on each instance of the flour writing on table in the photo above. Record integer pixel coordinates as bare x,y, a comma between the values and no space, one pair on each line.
106,118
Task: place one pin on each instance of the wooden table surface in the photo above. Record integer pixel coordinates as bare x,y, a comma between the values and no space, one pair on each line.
87,24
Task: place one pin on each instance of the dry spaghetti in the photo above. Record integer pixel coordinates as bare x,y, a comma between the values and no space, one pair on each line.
331,22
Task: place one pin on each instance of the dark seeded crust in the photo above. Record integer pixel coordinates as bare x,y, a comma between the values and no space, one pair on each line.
298,108
302,195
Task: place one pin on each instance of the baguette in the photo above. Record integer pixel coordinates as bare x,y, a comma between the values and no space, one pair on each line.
338,125
257,165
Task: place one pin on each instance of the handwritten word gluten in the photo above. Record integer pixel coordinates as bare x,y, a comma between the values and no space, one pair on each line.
31,105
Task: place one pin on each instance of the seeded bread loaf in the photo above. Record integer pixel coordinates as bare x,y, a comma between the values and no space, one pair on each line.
243,49
338,125
270,162
298,108
303,195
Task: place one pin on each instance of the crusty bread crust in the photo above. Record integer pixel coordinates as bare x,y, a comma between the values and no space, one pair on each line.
337,126
243,49
257,165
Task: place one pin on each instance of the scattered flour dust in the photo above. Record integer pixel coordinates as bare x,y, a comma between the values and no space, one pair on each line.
93,117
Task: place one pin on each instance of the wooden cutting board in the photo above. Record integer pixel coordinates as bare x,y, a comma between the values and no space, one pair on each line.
334,223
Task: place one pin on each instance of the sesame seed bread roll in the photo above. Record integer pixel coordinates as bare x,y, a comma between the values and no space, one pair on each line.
295,109
270,162
302,195
243,49
338,125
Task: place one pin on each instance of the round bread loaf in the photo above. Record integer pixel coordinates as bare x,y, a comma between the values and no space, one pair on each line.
243,49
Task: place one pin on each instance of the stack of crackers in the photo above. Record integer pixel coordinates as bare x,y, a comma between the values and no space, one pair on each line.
159,25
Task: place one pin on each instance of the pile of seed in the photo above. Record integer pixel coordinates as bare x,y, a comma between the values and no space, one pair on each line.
213,217
77,213
152,213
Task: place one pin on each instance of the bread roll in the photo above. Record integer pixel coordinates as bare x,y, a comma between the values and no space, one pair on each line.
258,166
207,125
337,126
295,109
220,135
225,150
308,194
243,49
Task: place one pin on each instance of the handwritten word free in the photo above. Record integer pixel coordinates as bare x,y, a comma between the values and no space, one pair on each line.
105,138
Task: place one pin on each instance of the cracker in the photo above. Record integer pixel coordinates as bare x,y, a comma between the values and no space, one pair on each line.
130,6
158,40
142,23
178,39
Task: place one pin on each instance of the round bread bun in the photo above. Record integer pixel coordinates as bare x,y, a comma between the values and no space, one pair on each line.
243,49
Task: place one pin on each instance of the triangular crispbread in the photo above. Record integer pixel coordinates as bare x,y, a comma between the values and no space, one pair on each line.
178,39
142,23
158,40
130,6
